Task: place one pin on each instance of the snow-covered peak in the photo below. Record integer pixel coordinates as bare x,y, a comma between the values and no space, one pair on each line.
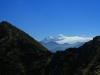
49,37
66,39
61,36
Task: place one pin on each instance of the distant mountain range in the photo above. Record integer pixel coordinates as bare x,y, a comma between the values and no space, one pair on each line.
51,43
20,54
50,38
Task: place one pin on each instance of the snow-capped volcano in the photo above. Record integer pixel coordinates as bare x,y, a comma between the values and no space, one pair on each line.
63,42
66,39
53,39
49,39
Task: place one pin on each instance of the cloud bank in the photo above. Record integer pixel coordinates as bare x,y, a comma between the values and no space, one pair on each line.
72,39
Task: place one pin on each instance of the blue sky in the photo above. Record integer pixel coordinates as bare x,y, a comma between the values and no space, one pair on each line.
40,18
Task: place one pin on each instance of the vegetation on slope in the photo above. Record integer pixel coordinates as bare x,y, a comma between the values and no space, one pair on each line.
20,54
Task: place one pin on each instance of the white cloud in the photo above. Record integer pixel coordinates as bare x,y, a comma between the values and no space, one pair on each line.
61,36
72,39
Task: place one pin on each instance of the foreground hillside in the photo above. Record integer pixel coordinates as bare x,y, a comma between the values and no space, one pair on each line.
20,54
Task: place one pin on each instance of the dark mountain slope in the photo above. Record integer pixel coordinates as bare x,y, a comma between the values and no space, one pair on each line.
90,56
8,30
19,53
62,62
84,60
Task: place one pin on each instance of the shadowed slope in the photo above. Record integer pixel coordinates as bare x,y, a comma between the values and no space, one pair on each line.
20,54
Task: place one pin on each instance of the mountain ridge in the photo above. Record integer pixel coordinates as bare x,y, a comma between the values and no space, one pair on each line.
53,39
54,46
20,54
61,39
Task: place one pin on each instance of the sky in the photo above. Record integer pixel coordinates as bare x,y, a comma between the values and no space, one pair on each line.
40,18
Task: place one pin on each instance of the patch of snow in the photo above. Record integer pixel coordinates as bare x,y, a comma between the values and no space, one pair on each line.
65,39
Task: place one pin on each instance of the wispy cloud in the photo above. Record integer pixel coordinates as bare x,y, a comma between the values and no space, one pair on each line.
72,39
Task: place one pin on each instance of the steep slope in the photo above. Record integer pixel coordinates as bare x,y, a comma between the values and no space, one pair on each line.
90,56
62,62
84,60
8,30
20,54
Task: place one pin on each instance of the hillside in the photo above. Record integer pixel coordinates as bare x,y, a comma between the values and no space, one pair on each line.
20,54
90,56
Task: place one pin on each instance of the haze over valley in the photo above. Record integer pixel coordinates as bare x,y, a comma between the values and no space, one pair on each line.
49,37
63,42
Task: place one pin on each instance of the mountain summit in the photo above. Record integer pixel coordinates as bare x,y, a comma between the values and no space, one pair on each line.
49,39
53,39
20,54
61,39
